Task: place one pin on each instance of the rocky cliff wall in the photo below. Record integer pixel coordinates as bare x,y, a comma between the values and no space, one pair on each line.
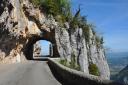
37,49
22,24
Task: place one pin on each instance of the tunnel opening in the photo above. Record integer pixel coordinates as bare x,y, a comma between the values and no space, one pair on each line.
42,49
47,39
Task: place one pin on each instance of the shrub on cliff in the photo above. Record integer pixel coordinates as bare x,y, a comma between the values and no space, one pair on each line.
99,41
36,3
73,64
55,8
93,69
63,62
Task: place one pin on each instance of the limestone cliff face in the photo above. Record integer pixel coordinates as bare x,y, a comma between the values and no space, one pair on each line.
96,55
37,49
21,25
73,42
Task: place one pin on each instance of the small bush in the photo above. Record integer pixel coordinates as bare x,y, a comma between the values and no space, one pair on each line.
71,64
74,23
93,69
99,41
36,3
63,62
56,7
86,33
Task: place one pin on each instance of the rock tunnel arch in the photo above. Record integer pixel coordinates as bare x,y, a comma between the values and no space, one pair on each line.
48,36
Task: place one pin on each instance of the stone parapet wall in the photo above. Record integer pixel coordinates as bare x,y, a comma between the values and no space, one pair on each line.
73,77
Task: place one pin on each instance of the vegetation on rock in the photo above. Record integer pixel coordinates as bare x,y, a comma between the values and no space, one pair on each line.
72,64
60,9
63,62
36,3
93,69
99,41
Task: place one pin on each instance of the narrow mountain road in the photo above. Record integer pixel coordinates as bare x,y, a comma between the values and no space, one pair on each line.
28,73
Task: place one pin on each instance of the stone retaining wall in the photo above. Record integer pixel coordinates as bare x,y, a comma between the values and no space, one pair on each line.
73,77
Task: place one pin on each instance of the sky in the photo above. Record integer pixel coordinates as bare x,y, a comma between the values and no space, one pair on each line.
110,18
44,47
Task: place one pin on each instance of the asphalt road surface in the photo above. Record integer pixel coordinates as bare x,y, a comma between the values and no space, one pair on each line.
28,73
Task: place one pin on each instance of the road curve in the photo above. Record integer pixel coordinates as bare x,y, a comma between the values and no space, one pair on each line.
28,73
